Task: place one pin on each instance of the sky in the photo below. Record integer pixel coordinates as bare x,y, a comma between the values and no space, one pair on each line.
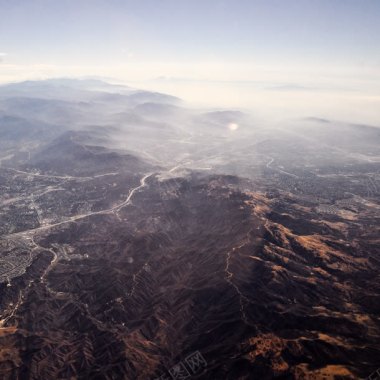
233,50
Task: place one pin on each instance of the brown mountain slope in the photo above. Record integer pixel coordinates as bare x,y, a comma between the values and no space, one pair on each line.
262,286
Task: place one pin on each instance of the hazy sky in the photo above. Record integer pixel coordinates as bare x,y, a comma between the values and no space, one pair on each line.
280,45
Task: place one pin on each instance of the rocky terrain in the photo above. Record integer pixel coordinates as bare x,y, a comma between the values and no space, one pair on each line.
149,241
